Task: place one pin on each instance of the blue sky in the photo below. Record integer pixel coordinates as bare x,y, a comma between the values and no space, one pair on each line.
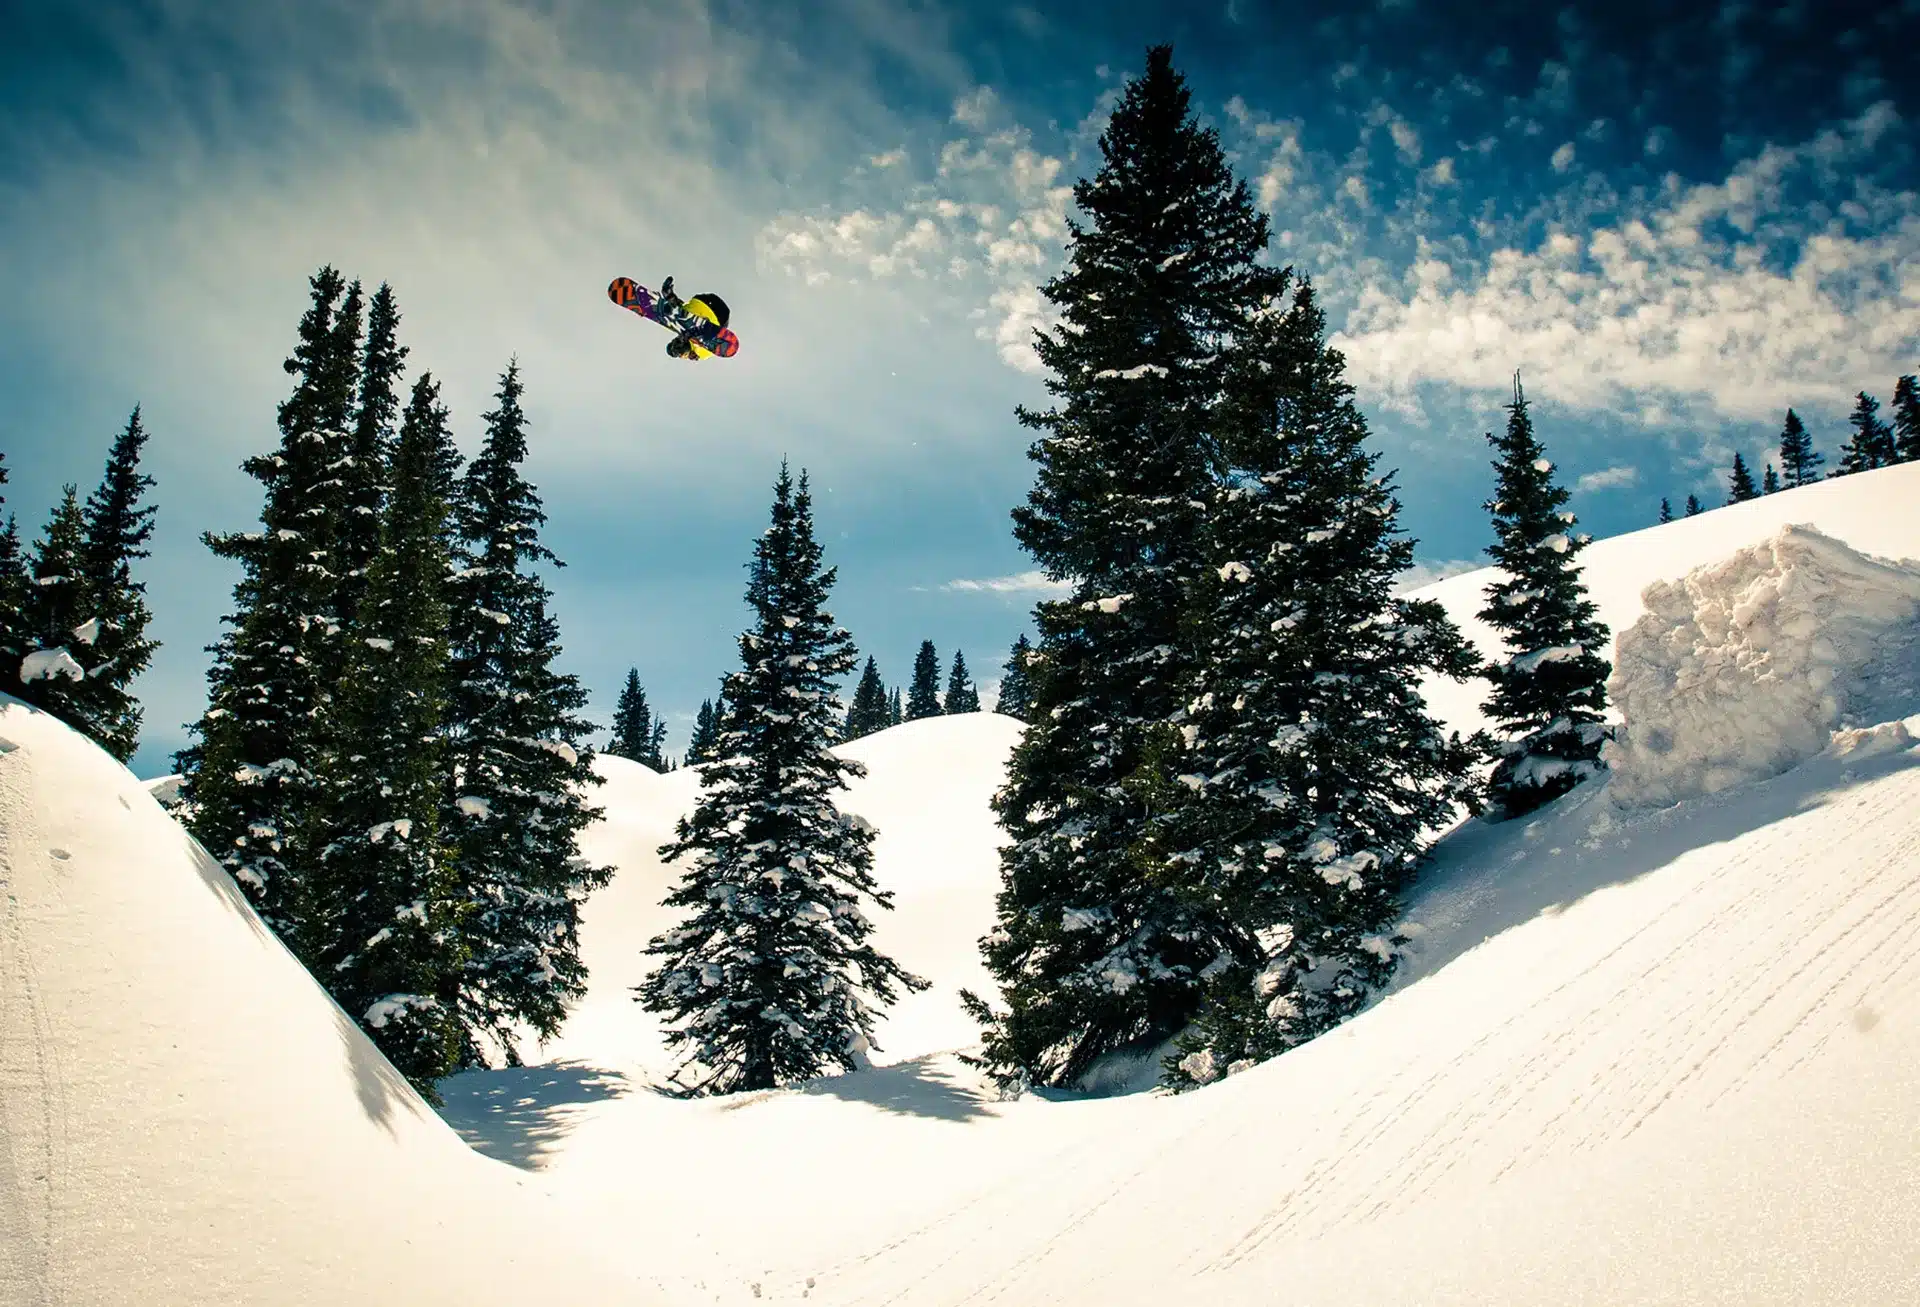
1673,220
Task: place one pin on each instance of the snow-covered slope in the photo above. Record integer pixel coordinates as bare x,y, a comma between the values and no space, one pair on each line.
1639,1056
185,1118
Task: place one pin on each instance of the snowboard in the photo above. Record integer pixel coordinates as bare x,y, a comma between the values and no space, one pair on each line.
707,337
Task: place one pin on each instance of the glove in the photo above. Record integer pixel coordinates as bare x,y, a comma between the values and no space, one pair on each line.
666,290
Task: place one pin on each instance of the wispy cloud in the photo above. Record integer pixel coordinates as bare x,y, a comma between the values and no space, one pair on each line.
1035,582
1794,280
1611,478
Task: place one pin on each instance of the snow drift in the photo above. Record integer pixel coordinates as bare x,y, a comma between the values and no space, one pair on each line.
1745,668
185,1117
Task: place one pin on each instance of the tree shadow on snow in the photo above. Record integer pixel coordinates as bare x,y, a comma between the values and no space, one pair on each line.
917,1087
1487,879
520,1114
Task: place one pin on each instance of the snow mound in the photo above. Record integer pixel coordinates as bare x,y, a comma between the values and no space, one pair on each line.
1747,667
185,1117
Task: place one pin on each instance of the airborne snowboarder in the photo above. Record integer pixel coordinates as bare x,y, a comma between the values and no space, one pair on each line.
699,324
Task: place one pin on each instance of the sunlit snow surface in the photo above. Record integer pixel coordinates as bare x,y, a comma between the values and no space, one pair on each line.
1639,1054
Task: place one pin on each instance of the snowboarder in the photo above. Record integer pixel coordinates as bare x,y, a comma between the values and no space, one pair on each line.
699,324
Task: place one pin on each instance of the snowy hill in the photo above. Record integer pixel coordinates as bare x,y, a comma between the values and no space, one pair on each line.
185,1117
1639,1054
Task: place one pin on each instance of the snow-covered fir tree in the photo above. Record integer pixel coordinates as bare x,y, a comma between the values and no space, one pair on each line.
868,711
1550,693
1906,419
962,695
1872,442
923,692
521,765
1308,775
1799,461
1770,482
1016,686
1694,506
633,725
768,977
1666,511
118,527
13,599
387,933
59,622
249,776
365,471
1095,949
1740,487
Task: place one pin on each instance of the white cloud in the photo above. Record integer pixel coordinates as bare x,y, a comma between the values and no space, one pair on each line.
1405,139
1740,296
1563,157
1034,582
1427,571
975,108
1611,478
890,159
1441,174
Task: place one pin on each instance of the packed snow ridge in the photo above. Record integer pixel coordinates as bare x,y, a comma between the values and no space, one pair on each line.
1746,668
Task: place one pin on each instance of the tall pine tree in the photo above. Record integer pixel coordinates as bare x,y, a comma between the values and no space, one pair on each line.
118,527
1095,949
1906,420
962,695
706,735
767,979
1693,506
366,469
1310,772
386,927
60,626
249,778
895,713
1016,687
868,711
1770,483
1740,487
1799,461
1549,695
14,638
1872,443
521,764
633,724
923,692
1666,510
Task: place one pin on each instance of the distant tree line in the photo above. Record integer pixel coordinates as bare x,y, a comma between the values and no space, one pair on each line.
1874,443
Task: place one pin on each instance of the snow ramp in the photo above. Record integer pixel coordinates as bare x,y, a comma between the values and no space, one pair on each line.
186,1118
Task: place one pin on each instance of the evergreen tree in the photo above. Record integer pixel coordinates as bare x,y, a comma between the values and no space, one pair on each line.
520,762
1906,420
1315,770
13,600
633,725
1872,443
1770,483
1740,486
962,696
1549,695
1693,505
766,980
387,930
248,779
118,527
868,711
657,747
923,693
366,470
1016,687
895,714
1666,510
1095,951
705,735
60,626
1799,462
